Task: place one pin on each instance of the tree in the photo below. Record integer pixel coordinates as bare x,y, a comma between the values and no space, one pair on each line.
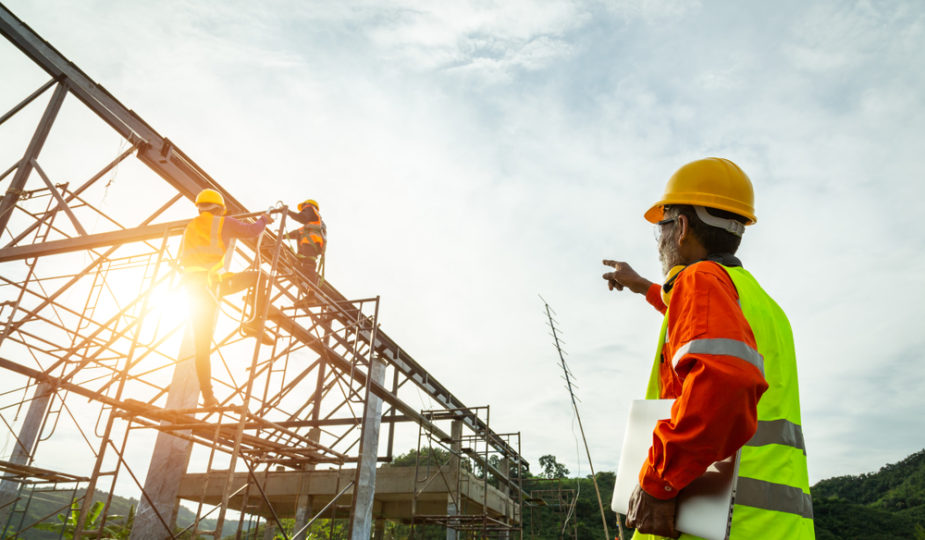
428,456
551,468
67,524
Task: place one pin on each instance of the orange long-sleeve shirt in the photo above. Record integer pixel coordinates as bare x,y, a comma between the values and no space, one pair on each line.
716,395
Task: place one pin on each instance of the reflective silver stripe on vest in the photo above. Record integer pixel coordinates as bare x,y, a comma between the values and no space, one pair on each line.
780,431
720,346
214,235
771,496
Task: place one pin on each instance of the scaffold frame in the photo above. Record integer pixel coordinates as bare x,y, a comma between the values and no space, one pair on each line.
85,334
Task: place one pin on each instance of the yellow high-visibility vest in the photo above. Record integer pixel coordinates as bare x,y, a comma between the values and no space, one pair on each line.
772,499
202,248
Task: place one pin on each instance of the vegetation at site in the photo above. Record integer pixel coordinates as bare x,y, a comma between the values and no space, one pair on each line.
889,503
886,504
116,527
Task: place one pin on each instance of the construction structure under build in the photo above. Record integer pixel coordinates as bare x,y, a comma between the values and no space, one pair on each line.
100,392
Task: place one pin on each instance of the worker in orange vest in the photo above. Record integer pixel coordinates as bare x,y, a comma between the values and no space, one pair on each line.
202,257
311,236
726,356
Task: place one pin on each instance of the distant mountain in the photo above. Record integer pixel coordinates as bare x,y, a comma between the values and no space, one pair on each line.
887,504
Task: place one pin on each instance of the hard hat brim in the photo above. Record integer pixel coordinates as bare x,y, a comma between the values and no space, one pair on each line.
657,212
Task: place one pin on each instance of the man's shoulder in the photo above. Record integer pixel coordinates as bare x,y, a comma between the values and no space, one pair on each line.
705,268
704,277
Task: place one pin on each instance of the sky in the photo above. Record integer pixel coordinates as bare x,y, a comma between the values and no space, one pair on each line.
469,157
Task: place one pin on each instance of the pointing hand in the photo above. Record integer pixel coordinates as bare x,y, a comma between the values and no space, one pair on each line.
624,276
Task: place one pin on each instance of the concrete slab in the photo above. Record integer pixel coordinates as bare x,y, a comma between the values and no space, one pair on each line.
392,500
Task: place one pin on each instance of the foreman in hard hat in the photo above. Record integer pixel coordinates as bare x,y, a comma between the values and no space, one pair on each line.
726,356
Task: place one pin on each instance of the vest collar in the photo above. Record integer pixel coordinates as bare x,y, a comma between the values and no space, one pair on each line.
725,259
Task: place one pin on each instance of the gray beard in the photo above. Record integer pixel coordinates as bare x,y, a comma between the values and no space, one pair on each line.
668,254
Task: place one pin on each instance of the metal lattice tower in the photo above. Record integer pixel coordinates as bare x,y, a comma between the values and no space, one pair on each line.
85,333
569,385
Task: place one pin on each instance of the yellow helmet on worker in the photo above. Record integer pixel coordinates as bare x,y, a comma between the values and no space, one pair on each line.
307,202
210,196
711,183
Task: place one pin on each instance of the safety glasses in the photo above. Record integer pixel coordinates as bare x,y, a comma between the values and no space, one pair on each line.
658,227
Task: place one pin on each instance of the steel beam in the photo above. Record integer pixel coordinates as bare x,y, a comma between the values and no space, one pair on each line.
163,158
35,147
182,172
92,241
22,104
73,195
61,204
157,152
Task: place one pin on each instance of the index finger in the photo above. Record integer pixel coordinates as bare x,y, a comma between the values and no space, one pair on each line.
608,262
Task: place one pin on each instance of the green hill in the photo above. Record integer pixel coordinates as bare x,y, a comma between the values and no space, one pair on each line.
889,503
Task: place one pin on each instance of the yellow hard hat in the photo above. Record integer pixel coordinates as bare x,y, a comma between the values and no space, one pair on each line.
305,203
710,182
210,196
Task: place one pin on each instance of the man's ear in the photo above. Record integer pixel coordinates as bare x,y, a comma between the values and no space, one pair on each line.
684,228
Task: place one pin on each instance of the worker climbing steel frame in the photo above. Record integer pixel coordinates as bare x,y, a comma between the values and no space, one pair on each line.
83,329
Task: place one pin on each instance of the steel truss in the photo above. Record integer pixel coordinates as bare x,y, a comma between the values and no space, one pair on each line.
470,510
86,333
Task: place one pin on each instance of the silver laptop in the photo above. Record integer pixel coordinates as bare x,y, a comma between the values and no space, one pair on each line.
705,506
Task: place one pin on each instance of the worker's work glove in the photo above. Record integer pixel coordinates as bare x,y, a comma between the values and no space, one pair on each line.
652,516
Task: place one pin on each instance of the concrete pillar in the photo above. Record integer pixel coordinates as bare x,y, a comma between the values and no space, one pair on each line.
269,530
380,530
303,513
171,454
25,442
455,447
451,510
508,505
361,515
303,507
